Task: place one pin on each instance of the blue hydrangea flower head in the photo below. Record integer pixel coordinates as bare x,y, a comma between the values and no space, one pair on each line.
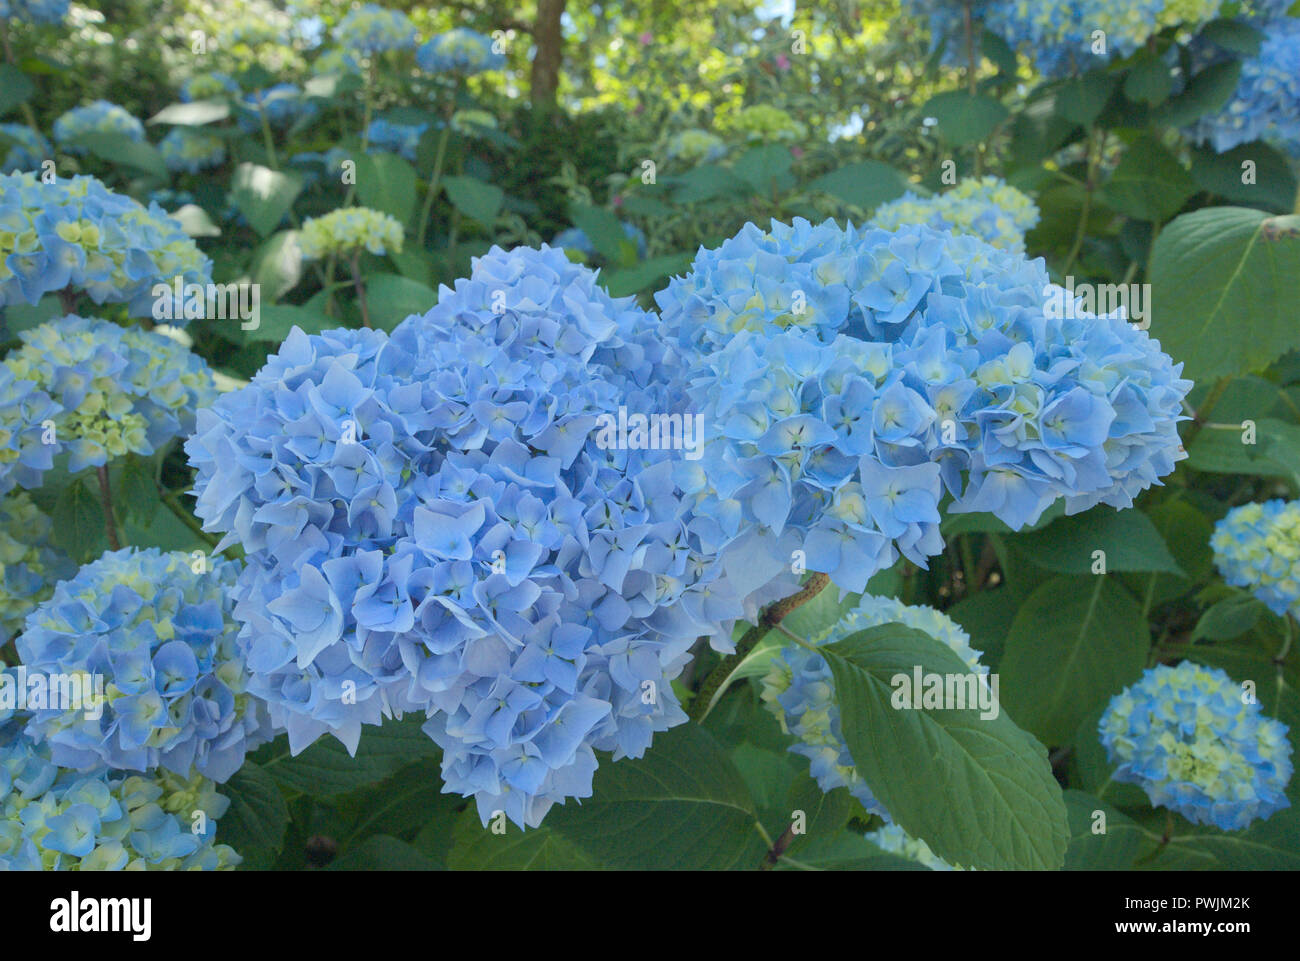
1192,740
34,11
400,138
434,521
1257,546
76,233
908,350
119,390
371,29
189,150
1266,103
800,691
1058,35
100,117
984,207
947,22
27,150
348,230
57,819
28,431
175,684
461,51
29,563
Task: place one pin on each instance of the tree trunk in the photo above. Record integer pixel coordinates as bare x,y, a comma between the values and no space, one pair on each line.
550,53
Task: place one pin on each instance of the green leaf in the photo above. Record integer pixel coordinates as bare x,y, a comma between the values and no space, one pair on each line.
1128,538
254,824
1272,454
704,183
195,221
1233,36
986,616
196,113
1271,186
325,769
1150,81
998,51
953,524
136,492
644,276
1187,532
603,230
475,847
1207,92
846,851
1111,842
1270,845
1229,618
682,806
475,199
164,531
382,853
15,88
392,298
386,182
1075,642
22,316
78,520
766,168
979,791
1149,183
866,184
277,265
264,195
1223,290
1081,100
119,149
275,321
964,117
398,806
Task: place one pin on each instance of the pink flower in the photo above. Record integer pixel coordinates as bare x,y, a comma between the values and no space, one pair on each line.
796,152
646,38
618,201
782,62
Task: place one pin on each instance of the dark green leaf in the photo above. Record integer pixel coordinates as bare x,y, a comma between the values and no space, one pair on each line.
254,824
1223,290
392,298
865,185
196,113
386,182
79,522
383,853
964,117
681,806
264,195
475,199
1073,644
1129,540
1001,807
